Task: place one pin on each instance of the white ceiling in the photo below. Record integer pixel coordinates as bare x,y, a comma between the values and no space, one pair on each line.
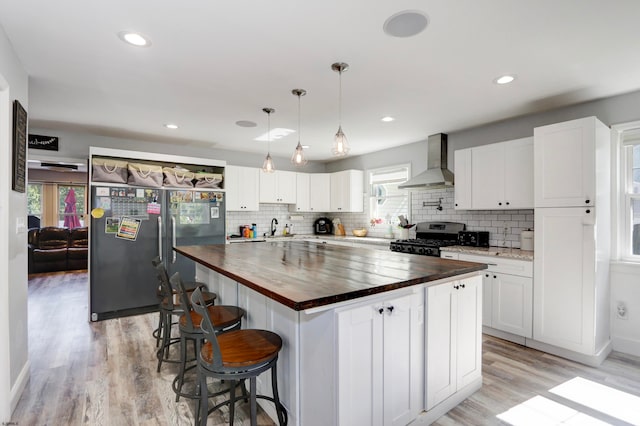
213,63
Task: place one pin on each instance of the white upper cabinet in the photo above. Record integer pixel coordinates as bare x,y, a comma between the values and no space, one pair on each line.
347,191
278,187
462,171
565,163
502,175
241,186
313,193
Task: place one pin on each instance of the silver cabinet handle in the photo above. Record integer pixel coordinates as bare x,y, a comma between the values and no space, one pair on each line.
160,237
173,238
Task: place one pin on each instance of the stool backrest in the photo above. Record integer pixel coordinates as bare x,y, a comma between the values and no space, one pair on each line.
177,283
165,290
197,301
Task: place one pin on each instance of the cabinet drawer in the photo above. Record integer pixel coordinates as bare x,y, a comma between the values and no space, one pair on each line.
521,268
449,255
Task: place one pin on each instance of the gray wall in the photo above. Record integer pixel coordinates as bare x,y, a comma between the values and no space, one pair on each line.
614,110
75,145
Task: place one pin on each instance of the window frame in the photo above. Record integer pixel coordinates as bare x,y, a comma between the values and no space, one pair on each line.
626,136
372,196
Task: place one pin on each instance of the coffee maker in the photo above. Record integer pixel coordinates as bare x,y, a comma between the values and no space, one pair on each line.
322,226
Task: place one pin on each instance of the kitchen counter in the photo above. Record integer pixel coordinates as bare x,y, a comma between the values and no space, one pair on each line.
303,275
506,252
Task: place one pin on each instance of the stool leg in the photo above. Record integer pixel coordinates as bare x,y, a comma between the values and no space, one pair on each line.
254,408
159,330
276,397
232,401
161,350
183,364
204,404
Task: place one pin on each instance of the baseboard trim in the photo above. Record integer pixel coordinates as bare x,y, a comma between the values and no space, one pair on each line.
590,360
504,335
21,383
626,346
428,417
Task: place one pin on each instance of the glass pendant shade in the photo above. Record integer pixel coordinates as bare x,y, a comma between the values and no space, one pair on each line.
340,144
298,158
267,165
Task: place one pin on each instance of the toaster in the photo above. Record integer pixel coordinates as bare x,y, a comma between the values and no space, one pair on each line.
473,238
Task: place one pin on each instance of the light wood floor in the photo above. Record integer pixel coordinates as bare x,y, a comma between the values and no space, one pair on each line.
104,373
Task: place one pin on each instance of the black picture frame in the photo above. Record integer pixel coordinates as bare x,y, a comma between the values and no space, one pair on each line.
18,177
49,143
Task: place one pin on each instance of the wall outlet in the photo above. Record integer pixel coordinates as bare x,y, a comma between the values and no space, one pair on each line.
621,311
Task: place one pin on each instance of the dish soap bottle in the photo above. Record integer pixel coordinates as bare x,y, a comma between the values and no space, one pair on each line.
285,231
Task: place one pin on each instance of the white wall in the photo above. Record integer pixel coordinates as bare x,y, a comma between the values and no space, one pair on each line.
14,362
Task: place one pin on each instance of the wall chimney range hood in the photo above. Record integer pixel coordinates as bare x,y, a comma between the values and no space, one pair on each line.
437,175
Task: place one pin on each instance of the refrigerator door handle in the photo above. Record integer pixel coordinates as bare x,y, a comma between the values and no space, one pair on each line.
160,237
173,238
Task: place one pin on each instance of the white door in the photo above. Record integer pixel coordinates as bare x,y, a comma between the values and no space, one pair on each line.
268,187
360,356
512,304
286,186
339,192
469,331
487,298
249,188
463,186
319,192
232,188
487,171
564,164
441,343
518,173
302,192
403,359
564,278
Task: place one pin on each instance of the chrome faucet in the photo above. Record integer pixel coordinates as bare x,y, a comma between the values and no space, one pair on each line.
274,222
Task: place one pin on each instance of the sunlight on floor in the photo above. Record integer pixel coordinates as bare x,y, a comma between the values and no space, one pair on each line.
613,402
593,396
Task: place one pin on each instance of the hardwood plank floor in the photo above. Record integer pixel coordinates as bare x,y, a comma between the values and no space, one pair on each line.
104,373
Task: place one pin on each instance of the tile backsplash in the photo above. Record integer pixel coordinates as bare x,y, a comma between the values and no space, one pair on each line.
504,226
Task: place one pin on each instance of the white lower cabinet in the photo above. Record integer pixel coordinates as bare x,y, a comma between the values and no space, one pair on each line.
381,363
507,294
453,338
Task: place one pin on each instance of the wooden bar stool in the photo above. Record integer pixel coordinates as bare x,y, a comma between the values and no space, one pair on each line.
224,318
233,356
189,285
169,307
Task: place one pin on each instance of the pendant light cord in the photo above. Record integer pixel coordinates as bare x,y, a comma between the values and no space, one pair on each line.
269,133
299,117
340,98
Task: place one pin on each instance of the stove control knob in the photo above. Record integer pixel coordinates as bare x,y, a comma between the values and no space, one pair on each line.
421,250
410,249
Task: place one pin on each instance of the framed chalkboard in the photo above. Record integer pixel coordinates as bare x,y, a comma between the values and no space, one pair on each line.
19,147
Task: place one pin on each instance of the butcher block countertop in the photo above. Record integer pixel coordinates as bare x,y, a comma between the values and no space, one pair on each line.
303,275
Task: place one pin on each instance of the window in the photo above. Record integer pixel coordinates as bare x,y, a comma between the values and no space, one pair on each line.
34,200
386,201
71,205
630,202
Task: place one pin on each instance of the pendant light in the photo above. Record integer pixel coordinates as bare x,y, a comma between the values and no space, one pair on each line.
268,166
340,145
297,158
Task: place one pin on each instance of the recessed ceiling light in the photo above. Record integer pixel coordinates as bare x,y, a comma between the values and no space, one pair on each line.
305,146
406,23
135,39
277,133
504,79
245,123
387,119
171,126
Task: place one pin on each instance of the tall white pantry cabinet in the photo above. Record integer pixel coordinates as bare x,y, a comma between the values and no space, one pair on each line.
572,241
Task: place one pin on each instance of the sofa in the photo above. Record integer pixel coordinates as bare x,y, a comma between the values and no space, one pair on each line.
57,249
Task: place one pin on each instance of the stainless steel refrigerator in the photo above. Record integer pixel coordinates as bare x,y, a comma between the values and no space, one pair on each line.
132,225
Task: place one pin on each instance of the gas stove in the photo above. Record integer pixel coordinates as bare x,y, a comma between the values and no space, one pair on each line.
430,236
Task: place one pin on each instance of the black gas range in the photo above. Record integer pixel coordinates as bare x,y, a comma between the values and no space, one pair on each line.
430,236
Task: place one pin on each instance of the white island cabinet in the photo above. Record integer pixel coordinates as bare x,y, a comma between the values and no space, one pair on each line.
354,341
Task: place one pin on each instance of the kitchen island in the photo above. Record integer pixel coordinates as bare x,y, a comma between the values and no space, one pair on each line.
359,345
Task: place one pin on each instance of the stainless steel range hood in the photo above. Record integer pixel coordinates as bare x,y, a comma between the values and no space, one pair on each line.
437,175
